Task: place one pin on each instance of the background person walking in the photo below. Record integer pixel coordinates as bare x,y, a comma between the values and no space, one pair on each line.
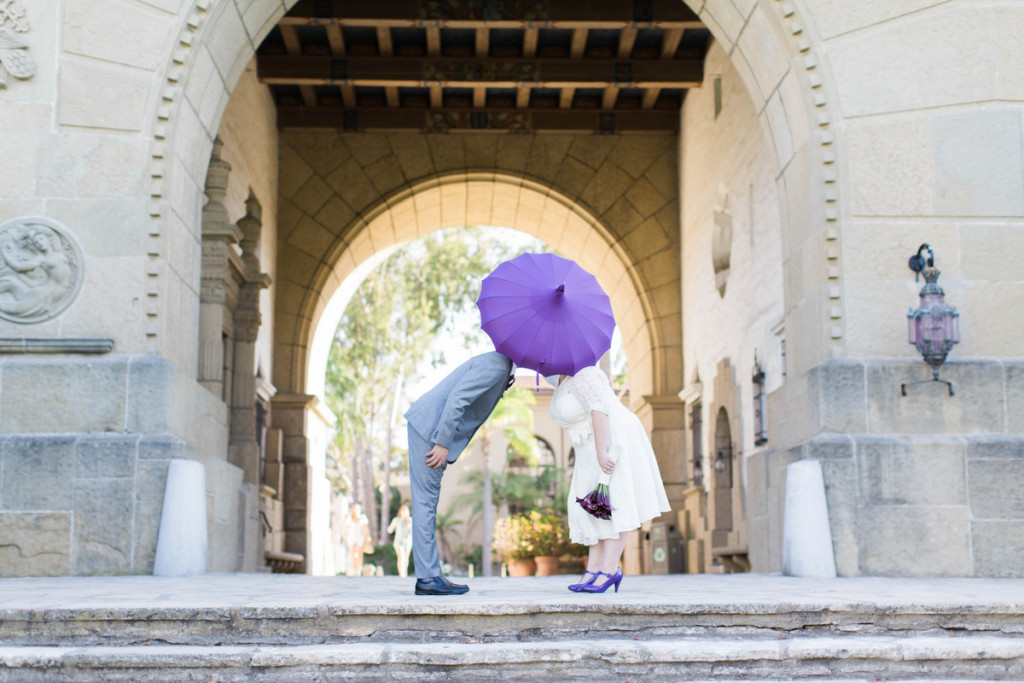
401,527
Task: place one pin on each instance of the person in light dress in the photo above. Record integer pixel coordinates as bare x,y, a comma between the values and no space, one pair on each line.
611,447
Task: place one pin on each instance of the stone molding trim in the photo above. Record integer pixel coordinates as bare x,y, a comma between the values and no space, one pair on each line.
172,89
806,67
90,345
42,268
793,15
14,57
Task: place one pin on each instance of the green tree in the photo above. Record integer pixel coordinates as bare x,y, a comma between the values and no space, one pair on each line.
386,337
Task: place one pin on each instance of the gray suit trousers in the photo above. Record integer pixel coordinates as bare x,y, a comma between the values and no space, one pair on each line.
426,489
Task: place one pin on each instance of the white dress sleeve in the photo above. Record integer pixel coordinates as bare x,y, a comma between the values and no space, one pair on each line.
592,387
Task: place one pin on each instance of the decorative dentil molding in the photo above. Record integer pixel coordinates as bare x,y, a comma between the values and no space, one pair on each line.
41,269
792,14
14,57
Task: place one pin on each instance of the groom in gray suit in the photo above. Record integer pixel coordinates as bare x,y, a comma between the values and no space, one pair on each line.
441,423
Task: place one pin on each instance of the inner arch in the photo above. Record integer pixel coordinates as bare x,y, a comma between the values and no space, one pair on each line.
461,199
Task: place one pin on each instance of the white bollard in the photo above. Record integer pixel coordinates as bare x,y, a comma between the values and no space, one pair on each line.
806,535
182,543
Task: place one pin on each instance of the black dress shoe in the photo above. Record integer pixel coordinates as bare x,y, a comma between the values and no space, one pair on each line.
438,585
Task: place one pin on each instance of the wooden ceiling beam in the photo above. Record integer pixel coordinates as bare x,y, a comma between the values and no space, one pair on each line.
670,42
336,40
468,120
565,98
579,43
530,36
609,97
552,14
489,73
290,36
649,98
433,41
308,95
483,43
384,43
627,37
348,95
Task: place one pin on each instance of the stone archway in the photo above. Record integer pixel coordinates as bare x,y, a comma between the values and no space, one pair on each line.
784,83
316,296
767,43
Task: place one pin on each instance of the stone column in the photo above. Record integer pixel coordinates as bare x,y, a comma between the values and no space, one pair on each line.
220,279
289,414
305,425
243,448
665,419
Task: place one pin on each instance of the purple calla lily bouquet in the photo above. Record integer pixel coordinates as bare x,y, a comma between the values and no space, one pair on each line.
598,502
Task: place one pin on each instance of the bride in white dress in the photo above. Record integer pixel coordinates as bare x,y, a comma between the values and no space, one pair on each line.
607,438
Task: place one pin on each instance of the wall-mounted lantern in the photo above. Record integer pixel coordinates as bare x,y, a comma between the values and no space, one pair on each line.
696,429
934,327
760,407
720,461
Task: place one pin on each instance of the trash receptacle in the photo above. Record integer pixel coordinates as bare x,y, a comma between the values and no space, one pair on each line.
663,549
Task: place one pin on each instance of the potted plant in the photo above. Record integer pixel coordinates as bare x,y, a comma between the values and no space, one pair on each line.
512,543
548,534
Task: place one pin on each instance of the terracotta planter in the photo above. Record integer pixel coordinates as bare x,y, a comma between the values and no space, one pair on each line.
525,567
547,565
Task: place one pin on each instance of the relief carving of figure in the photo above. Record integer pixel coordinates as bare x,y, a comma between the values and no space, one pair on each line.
14,57
39,271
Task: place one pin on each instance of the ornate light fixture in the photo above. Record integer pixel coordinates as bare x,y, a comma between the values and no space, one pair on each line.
720,460
760,408
934,327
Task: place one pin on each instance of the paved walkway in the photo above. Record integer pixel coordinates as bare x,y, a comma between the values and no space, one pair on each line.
691,593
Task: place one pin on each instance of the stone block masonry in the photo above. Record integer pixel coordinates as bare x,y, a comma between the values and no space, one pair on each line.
82,481
923,485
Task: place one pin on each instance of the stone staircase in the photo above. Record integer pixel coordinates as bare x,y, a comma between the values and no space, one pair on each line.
662,629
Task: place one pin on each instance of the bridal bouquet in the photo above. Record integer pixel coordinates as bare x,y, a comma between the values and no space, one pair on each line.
598,502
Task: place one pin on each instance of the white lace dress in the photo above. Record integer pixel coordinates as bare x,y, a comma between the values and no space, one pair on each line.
636,490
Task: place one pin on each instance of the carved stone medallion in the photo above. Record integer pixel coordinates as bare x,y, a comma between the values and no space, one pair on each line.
41,269
14,57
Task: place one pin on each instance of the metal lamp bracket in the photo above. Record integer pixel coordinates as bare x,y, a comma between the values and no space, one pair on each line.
918,262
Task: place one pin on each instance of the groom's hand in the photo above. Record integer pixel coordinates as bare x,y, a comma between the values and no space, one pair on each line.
437,456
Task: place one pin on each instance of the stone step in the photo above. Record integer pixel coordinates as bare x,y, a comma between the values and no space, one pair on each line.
811,658
297,610
434,621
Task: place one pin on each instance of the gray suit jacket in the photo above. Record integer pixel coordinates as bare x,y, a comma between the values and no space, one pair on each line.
449,414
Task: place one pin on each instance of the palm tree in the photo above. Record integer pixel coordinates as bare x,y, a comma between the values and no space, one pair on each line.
445,526
514,416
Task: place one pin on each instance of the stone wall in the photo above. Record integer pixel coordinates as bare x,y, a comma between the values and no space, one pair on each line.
732,285
925,484
89,437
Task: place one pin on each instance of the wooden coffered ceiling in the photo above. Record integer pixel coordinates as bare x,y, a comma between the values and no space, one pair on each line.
599,66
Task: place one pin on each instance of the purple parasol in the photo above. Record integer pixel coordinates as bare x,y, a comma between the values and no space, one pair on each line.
546,313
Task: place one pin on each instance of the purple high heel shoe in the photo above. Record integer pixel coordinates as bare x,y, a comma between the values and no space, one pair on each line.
577,587
615,578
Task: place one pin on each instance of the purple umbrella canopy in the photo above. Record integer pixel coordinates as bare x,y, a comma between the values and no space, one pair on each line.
546,314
